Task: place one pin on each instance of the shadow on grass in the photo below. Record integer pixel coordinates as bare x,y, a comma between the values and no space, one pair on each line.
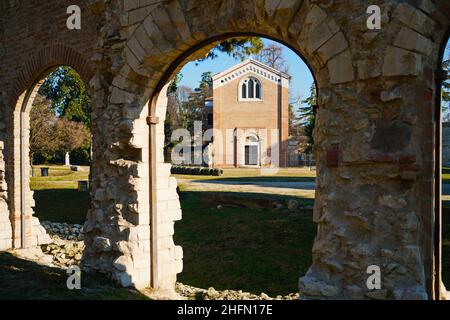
256,250
27,280
62,205
208,198
446,243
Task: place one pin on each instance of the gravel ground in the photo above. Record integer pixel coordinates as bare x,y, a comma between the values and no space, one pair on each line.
193,293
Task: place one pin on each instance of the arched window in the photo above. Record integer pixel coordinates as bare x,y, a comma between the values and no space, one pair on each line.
250,89
244,90
258,90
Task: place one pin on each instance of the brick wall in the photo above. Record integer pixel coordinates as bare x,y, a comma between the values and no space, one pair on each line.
250,117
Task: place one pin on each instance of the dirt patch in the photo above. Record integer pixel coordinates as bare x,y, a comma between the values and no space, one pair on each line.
247,201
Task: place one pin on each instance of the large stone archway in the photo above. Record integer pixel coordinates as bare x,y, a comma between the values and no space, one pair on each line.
375,138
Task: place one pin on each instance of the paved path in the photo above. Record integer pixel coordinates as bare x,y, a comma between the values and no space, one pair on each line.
294,188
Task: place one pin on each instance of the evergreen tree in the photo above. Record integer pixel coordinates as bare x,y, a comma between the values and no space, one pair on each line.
307,116
68,94
446,83
238,48
70,100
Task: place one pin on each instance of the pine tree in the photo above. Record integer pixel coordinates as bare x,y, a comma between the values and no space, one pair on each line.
307,116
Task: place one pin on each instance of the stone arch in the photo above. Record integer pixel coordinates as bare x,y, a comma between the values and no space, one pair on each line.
21,97
372,85
42,62
409,68
155,51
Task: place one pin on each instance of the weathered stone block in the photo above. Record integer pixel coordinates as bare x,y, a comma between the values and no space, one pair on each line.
318,36
341,68
414,18
413,41
368,69
332,47
400,62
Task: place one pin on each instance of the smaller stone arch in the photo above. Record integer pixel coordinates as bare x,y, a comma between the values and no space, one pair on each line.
43,62
21,97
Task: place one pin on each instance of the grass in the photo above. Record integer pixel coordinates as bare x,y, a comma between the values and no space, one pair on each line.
57,197
446,174
446,245
61,205
290,174
22,279
256,250
59,178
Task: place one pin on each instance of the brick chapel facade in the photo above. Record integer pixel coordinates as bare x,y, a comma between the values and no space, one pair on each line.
250,111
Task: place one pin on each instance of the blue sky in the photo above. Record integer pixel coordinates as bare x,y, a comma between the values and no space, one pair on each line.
301,76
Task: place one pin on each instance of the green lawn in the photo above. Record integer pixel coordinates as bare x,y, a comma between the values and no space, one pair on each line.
58,200
290,174
446,174
61,205
446,246
59,178
56,196
22,279
256,250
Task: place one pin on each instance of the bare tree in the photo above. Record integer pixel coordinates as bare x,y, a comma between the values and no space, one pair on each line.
273,56
70,135
42,120
51,134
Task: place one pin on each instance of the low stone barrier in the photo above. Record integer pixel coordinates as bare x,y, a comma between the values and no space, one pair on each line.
64,231
221,199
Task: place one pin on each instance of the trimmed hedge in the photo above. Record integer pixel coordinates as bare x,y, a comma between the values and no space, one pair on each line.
196,171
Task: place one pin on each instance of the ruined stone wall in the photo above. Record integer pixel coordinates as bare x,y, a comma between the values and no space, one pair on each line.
34,39
374,132
5,223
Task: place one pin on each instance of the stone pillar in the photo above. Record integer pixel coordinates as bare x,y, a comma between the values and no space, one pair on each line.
22,202
5,223
168,209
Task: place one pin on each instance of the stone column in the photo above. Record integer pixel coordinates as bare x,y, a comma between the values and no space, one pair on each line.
5,223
